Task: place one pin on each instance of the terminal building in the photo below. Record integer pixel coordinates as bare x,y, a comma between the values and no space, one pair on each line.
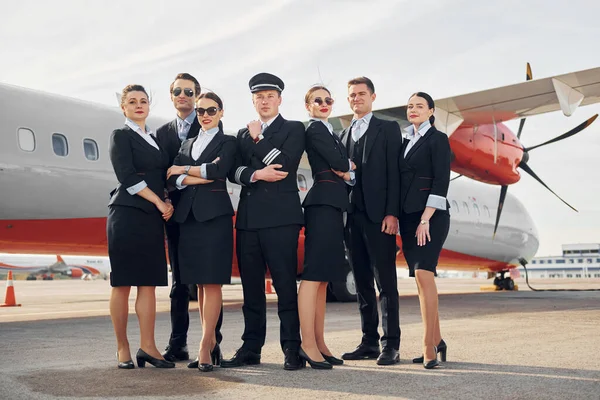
580,260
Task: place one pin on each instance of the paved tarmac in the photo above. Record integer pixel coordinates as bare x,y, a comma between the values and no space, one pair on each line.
501,345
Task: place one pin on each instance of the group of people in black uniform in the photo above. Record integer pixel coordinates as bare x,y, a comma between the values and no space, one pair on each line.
369,184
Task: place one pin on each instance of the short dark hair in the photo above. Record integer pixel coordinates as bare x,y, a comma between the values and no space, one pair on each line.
314,89
187,77
212,96
362,79
429,100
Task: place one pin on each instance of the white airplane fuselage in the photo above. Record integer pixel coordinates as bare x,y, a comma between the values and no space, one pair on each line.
58,204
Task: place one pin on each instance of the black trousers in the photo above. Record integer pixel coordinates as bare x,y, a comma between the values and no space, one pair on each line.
278,248
180,295
373,255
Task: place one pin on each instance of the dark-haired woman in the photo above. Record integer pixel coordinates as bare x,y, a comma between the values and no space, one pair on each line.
205,217
425,220
324,233
135,228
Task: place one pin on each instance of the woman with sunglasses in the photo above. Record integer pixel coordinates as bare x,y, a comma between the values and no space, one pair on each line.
205,217
324,205
135,228
425,220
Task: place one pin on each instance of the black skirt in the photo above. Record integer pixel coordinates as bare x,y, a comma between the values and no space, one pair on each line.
136,247
206,251
324,252
423,257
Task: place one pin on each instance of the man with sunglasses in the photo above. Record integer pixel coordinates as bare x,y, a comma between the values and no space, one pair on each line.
268,221
184,90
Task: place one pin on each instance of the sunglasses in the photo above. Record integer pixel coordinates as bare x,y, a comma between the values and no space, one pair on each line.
188,92
211,111
319,101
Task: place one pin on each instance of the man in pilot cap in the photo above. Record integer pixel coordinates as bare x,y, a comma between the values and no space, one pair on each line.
268,222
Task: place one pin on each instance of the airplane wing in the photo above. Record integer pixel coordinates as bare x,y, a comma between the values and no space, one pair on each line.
561,92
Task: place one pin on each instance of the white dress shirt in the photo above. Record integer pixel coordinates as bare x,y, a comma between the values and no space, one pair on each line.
200,144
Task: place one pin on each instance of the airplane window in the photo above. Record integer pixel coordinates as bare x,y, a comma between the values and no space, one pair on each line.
26,139
302,185
466,207
90,149
60,145
455,206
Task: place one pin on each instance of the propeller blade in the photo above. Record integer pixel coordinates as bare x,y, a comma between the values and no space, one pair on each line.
503,191
456,177
528,169
572,132
521,124
528,77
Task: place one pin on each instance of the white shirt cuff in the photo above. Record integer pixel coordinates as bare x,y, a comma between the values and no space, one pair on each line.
203,171
179,182
352,180
436,201
138,187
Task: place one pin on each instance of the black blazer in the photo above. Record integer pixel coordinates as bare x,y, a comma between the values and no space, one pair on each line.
424,171
135,160
212,199
269,204
169,138
325,152
380,174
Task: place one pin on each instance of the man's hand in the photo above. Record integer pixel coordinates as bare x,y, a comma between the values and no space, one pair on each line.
390,225
270,173
344,175
216,160
254,127
176,170
352,165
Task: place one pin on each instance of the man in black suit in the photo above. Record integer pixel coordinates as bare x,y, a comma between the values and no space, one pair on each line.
184,91
268,222
373,145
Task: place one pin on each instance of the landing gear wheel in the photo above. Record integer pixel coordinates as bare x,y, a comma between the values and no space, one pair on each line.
504,283
509,284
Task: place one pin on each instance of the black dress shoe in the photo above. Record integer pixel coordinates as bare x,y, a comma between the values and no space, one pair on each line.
432,363
388,356
313,364
333,360
124,364
142,358
173,353
242,357
442,348
292,361
362,352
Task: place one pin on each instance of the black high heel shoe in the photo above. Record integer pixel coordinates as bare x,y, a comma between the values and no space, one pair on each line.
215,355
442,348
124,364
333,360
313,364
432,363
142,358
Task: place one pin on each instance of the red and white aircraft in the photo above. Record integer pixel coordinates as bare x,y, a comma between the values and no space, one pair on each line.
46,269
56,177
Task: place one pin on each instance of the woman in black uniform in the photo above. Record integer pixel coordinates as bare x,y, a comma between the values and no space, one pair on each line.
135,227
324,233
425,220
205,217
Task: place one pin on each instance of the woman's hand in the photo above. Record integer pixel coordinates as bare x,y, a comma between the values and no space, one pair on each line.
344,175
423,234
176,170
166,209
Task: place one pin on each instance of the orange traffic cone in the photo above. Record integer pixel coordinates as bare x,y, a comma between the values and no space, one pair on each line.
269,287
10,300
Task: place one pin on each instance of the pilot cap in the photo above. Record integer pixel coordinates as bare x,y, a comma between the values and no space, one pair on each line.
265,81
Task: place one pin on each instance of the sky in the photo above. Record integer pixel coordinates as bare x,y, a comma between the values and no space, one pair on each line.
90,50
